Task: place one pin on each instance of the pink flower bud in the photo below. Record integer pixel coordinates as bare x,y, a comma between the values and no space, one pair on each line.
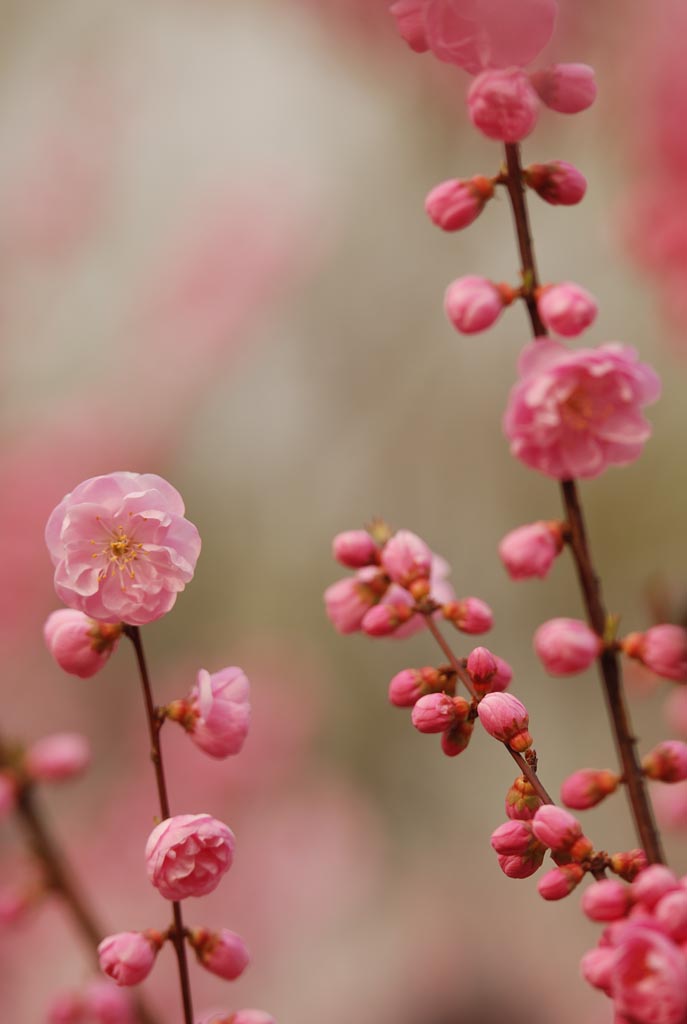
410,21
473,303
456,739
437,712
560,882
566,646
355,549
220,711
470,615
514,837
566,88
502,677
505,718
628,864
531,550
223,953
348,600
556,828
128,957
652,884
58,757
663,649
667,762
522,801
454,204
481,665
384,619
649,981
406,558
587,788
566,308
106,1004
79,645
519,865
8,794
503,105
186,855
409,685
558,183
671,914
607,900
596,968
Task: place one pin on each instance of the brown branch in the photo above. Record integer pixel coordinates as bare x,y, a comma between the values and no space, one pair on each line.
609,668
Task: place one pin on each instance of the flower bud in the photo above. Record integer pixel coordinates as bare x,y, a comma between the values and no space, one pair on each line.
456,739
79,645
437,712
8,794
521,865
596,968
217,714
223,953
566,646
587,788
406,558
58,757
384,619
556,828
663,649
667,762
455,204
349,599
410,684
107,1004
558,183
522,801
671,914
608,900
502,677
652,884
505,718
473,303
355,549
503,105
128,957
470,615
566,88
560,882
481,666
566,308
531,550
628,864
514,837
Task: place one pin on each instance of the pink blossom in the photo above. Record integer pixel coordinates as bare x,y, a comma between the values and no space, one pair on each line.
457,737
652,884
223,953
556,828
566,646
437,712
79,645
502,677
503,105
406,558
628,864
574,413
607,900
587,788
663,649
220,711
560,882
670,804
519,865
66,1008
410,684
514,837
505,718
566,308
347,600
649,977
121,547
566,88
128,957
531,550
455,204
667,762
522,800
671,914
385,618
473,303
355,549
410,20
558,182
481,665
470,615
8,794
596,968
187,855
108,1004
60,756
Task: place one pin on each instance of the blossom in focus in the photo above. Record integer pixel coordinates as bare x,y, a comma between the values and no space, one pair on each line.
223,953
505,718
121,547
220,711
566,308
574,413
128,957
455,204
473,303
503,105
79,645
186,855
558,182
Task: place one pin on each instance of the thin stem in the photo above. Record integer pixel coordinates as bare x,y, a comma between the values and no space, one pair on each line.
609,668
453,660
177,935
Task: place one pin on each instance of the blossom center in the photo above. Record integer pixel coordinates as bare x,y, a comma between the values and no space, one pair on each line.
120,550
577,410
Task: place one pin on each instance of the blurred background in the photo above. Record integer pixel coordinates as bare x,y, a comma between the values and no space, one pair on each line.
215,265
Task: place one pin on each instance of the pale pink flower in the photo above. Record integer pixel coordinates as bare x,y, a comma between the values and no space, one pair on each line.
531,550
560,882
566,308
607,900
566,646
220,711
348,600
355,549
588,787
505,718
558,182
566,88
649,977
223,953
79,645
455,204
473,303
121,547
667,762
663,649
574,413
128,957
503,105
60,756
8,794
406,558
186,855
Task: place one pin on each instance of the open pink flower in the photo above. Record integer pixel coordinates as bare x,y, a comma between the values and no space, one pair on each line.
573,413
187,855
221,702
121,547
649,977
